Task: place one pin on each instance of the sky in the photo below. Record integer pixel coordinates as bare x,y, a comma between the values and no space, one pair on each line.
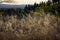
28,1
18,2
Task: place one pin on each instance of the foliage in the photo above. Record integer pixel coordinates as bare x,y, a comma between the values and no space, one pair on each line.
54,1
47,7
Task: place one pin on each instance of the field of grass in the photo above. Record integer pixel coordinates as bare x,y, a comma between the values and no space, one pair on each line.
39,26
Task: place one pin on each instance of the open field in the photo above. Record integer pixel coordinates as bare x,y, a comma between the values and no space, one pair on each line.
39,26
34,22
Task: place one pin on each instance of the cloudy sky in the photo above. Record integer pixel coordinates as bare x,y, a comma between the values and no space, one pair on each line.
26,1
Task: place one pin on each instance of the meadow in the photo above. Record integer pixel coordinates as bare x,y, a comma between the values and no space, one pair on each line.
33,23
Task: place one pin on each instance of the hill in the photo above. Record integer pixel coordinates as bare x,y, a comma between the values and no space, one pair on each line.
11,6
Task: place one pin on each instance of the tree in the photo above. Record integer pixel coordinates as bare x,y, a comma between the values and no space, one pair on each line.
54,1
35,5
48,3
25,7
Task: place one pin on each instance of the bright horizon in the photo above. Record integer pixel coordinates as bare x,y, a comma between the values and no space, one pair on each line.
20,2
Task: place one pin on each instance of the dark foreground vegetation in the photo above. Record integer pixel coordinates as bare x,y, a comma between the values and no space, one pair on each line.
35,22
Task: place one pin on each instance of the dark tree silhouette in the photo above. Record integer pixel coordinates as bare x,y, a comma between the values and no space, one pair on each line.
25,7
48,3
35,5
55,1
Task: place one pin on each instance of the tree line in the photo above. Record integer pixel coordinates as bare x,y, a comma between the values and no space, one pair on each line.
51,7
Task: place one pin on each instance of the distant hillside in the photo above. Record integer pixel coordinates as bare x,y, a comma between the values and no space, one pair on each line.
11,6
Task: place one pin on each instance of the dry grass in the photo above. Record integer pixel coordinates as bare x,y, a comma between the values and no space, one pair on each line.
37,27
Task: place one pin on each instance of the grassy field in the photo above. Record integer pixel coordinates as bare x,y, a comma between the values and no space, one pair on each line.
39,26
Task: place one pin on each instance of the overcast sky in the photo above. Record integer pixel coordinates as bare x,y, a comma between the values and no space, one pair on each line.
27,1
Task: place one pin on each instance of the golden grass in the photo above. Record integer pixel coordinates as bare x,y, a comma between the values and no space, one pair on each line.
36,27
